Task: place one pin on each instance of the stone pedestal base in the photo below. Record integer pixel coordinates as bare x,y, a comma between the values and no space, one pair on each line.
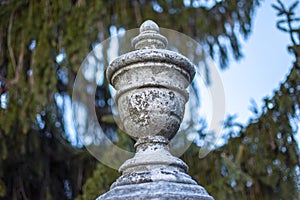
157,190
153,173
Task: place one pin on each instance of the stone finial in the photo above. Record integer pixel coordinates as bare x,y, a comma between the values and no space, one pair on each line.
151,94
149,37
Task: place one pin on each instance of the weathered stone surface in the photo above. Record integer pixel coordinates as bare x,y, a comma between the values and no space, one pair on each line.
160,190
151,94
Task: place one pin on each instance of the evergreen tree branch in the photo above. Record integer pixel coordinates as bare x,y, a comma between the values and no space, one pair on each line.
22,191
11,52
18,67
137,12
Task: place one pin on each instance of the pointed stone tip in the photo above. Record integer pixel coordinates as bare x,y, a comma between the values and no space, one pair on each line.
149,25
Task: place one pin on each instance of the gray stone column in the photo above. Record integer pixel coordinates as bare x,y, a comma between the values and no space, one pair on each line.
151,94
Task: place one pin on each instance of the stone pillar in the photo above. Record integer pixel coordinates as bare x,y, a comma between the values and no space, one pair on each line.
151,94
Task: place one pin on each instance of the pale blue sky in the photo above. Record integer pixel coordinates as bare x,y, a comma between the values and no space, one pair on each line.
265,64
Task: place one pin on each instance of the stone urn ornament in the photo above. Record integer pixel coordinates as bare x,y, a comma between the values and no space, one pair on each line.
151,92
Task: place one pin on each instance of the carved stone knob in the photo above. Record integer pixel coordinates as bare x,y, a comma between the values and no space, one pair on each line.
149,37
